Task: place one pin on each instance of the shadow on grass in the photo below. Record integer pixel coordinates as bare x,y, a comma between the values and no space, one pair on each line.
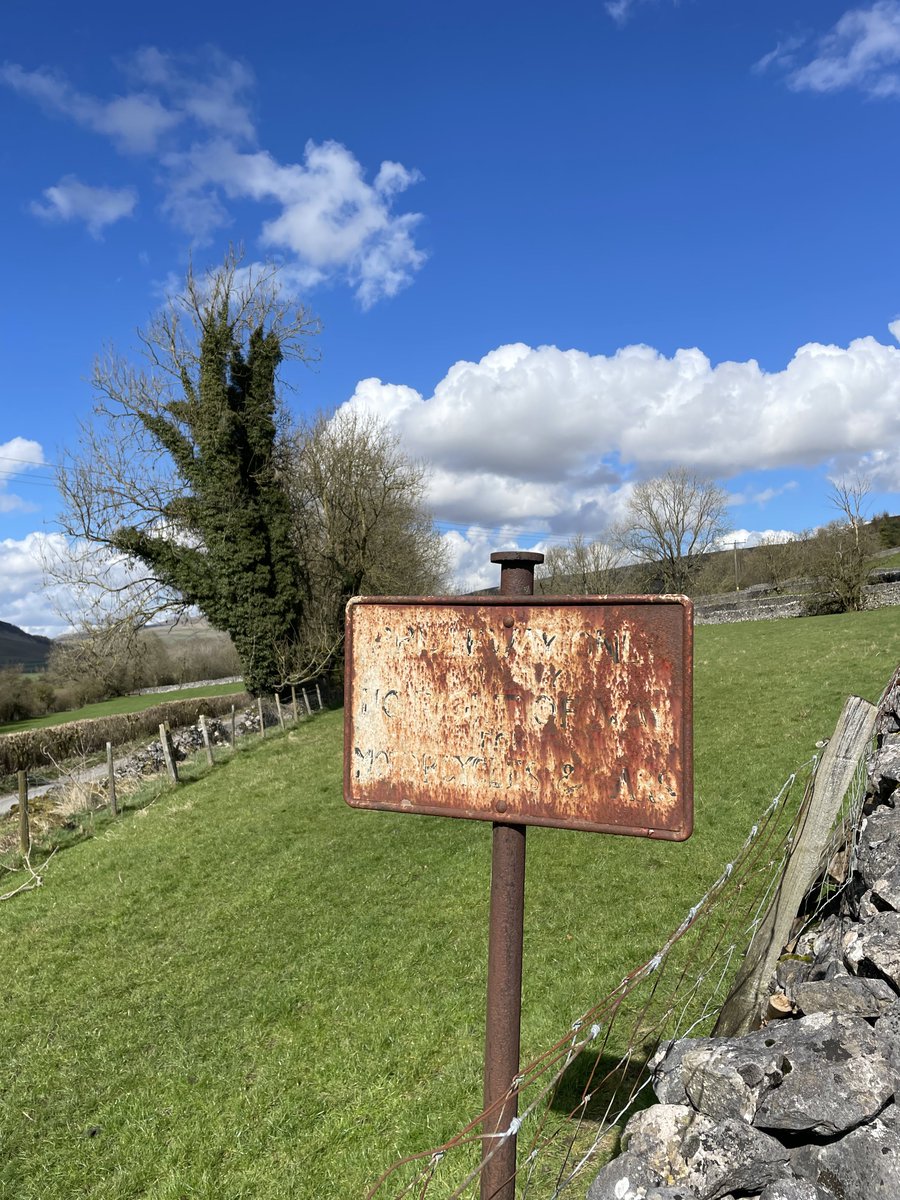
598,1086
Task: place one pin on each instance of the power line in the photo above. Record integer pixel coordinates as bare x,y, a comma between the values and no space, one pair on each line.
31,462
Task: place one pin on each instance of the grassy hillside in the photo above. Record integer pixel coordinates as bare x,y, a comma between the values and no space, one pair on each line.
251,990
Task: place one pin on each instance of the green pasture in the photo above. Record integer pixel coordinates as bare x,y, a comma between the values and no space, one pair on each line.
248,990
121,704
888,561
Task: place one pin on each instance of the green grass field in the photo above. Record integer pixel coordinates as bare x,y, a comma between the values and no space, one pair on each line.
889,561
248,989
122,704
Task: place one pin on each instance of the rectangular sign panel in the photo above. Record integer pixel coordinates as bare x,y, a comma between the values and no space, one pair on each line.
565,711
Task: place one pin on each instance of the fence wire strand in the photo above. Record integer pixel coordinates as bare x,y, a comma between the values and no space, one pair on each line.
677,992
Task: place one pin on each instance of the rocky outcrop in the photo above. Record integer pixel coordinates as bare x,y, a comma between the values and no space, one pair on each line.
807,1107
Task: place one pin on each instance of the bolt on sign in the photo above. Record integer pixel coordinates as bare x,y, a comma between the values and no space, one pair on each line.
572,712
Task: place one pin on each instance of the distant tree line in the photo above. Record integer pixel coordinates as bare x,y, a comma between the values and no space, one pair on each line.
673,538
84,670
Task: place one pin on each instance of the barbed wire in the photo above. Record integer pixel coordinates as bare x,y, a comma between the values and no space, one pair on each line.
575,1097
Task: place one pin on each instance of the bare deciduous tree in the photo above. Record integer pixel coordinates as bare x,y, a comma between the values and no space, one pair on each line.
838,554
360,524
579,568
779,559
671,521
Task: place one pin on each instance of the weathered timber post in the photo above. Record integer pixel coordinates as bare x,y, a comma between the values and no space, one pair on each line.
504,989
111,777
745,1004
262,720
233,727
294,703
24,828
306,702
168,753
319,698
280,713
206,742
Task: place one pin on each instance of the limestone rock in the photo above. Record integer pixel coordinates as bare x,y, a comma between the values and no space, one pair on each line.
665,1068
728,1078
846,994
865,1164
655,1134
625,1178
837,1076
711,1158
793,1189
876,948
879,844
885,771
886,891
887,1035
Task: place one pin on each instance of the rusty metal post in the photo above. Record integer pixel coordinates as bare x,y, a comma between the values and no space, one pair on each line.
504,990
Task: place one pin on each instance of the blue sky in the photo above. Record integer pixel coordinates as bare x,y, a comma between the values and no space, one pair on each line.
559,250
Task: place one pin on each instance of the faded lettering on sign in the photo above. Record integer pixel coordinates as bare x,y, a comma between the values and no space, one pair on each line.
576,714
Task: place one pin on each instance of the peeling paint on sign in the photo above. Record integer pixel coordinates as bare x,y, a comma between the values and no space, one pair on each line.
572,712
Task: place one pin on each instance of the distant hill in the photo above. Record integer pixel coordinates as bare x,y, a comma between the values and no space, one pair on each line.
20,649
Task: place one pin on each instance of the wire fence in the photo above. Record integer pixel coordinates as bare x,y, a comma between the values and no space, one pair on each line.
575,1097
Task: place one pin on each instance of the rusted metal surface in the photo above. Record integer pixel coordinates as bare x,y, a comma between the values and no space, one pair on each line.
564,711
505,943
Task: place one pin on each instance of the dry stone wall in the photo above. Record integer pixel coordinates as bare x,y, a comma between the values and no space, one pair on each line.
808,1107
747,606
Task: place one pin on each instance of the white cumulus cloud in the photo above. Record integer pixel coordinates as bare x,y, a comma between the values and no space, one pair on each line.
24,600
549,439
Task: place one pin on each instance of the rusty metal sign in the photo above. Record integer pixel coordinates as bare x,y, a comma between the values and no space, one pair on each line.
573,712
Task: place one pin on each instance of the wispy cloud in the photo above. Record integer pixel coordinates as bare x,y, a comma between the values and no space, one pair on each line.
621,11
191,116
861,51
72,200
135,122
784,55
761,496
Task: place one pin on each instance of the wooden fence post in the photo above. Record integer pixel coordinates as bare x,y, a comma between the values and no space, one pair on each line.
168,755
294,703
24,829
205,732
743,1008
111,776
306,702
280,713
233,733
262,720
319,698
